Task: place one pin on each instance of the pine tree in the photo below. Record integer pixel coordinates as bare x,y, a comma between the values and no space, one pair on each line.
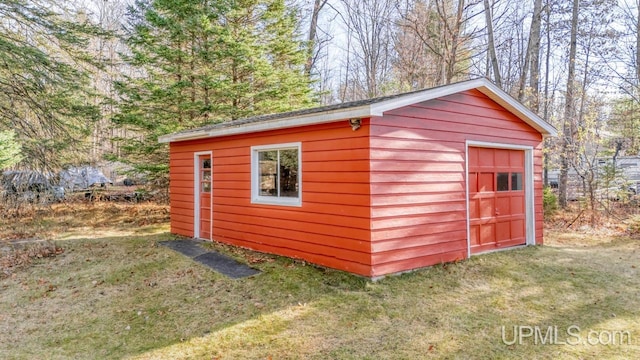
10,150
43,85
203,62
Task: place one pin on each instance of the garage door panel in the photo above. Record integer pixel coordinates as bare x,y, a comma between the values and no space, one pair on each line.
474,234
487,232
473,182
503,206
517,205
496,198
473,156
516,159
485,157
474,208
487,208
503,231
486,182
517,228
502,158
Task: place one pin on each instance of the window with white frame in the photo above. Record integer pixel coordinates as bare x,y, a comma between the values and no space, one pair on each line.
276,174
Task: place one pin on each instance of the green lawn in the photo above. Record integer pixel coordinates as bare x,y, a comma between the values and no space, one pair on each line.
123,296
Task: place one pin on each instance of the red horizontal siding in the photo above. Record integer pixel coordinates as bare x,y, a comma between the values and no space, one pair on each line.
391,267
411,242
418,203
332,227
354,230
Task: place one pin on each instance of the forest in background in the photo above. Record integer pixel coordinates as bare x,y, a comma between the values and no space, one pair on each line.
90,81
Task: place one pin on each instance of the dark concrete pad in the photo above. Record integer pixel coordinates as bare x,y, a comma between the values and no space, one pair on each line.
214,260
226,265
190,248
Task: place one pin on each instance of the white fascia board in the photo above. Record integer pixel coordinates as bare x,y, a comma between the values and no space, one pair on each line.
484,86
295,121
281,123
182,137
516,108
379,108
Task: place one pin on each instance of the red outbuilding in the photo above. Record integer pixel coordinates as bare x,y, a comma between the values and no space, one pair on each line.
372,187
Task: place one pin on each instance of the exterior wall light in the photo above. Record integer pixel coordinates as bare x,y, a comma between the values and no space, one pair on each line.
355,124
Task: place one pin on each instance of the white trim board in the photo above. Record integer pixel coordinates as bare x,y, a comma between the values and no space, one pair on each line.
375,109
529,190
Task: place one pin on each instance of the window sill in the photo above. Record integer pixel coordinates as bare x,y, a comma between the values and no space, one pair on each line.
277,202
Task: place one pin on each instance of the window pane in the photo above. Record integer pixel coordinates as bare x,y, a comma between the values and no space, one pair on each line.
289,173
516,181
206,164
268,172
206,187
206,175
503,182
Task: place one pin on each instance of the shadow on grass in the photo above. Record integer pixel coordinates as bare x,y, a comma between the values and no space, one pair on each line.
447,311
121,296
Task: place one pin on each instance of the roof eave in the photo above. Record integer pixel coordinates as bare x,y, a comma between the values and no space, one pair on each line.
276,124
182,137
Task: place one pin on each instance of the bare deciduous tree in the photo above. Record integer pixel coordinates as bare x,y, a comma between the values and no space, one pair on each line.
434,42
532,60
493,59
569,110
370,48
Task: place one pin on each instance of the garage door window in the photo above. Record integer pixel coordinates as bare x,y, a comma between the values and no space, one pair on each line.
503,182
516,181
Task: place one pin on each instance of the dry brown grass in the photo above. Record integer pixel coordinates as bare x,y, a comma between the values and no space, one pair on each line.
16,256
79,218
125,297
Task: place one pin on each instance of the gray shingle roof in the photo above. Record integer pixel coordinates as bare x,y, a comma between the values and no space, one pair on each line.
269,117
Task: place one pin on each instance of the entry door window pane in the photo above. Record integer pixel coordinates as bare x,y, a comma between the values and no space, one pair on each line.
516,181
205,175
502,182
206,187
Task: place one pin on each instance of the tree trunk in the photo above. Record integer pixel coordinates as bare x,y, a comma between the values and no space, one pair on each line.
567,128
534,38
452,60
637,19
491,43
546,86
532,60
313,30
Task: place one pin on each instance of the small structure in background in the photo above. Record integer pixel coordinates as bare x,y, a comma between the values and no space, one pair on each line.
31,186
83,177
35,186
624,183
